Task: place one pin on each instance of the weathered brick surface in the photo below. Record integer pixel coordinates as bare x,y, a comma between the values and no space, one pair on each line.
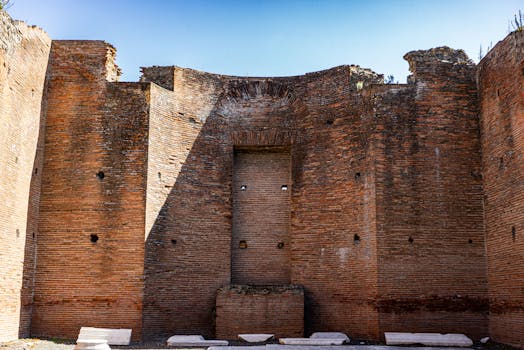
392,208
501,81
23,60
430,239
93,127
275,310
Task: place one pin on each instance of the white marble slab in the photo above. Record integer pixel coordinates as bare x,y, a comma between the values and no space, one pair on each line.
113,336
429,339
255,338
310,341
330,335
194,341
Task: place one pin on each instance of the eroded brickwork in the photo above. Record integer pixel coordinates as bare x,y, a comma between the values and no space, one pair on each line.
23,61
501,81
274,309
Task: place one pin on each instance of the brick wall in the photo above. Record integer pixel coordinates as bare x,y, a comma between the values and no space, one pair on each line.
386,193
188,208
432,272
194,131
333,217
382,224
501,81
24,53
275,310
261,217
92,208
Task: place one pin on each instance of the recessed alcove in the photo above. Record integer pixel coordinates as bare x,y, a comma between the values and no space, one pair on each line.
261,216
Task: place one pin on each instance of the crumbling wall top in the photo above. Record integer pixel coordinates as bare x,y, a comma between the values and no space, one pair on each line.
14,31
113,72
424,63
10,34
443,54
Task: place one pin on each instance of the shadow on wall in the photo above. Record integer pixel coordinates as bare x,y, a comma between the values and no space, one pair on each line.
187,249
31,237
189,199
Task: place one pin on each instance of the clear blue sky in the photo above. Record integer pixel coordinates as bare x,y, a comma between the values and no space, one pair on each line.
272,38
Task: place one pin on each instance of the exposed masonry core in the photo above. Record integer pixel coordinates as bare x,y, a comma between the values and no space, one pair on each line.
374,207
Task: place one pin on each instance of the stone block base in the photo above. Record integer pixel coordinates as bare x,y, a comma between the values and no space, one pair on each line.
277,310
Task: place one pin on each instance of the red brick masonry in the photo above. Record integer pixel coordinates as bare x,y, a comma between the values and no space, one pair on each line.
122,203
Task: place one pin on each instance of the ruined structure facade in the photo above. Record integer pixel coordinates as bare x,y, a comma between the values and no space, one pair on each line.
323,202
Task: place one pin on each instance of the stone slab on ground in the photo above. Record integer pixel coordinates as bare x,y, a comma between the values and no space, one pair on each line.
92,344
330,335
194,341
310,341
113,336
429,339
255,338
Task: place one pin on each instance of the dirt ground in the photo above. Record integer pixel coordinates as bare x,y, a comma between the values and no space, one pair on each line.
59,344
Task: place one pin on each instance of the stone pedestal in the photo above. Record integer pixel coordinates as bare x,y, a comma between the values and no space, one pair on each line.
277,310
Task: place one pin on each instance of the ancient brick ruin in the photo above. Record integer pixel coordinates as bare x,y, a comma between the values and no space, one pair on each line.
324,202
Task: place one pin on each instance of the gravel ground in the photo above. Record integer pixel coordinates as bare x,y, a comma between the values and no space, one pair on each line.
36,344
59,344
